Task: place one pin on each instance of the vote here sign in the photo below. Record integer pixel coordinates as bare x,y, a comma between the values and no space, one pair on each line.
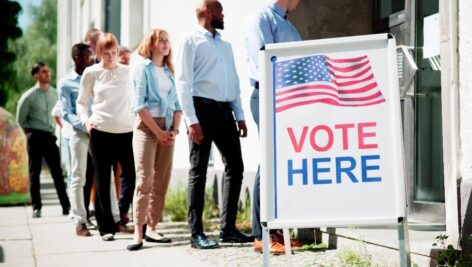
330,133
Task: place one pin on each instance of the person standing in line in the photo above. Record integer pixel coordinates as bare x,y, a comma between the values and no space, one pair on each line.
34,116
125,55
110,126
64,148
157,123
268,25
208,90
68,89
123,189
91,38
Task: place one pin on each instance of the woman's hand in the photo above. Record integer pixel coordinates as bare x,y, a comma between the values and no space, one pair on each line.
89,125
165,137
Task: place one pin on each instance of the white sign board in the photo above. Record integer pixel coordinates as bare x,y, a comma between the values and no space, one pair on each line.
332,150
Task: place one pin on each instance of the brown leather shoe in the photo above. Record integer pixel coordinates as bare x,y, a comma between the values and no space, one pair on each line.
275,247
81,230
278,237
125,229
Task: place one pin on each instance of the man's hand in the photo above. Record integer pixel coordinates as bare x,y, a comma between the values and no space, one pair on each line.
196,134
242,129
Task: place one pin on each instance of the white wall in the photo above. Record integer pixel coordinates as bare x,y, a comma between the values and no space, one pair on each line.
465,86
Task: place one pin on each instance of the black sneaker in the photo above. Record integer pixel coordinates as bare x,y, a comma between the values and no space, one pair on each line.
37,213
235,237
200,241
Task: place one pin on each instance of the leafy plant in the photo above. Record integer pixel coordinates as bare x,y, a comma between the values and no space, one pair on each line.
176,204
448,256
243,221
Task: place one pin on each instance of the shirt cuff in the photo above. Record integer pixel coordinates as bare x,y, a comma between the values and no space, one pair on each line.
191,120
239,116
139,108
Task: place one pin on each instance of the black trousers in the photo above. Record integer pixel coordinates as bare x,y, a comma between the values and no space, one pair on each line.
88,183
43,145
126,191
218,125
107,148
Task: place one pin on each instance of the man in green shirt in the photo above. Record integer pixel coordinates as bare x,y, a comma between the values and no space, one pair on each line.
34,116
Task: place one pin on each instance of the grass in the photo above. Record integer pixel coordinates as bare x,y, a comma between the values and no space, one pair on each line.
176,208
356,254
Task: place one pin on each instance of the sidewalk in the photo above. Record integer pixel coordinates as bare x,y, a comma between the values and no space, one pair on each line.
51,241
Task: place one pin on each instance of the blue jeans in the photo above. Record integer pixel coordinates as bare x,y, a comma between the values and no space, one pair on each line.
256,202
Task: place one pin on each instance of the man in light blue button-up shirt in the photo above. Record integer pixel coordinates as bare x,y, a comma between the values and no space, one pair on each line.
268,25
208,90
68,90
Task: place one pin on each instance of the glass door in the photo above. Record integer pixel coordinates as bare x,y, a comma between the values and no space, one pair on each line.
415,25
429,182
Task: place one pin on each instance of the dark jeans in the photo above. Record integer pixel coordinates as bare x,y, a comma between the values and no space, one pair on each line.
218,125
107,148
88,183
43,144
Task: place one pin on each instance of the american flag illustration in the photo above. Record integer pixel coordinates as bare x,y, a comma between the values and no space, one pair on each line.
347,82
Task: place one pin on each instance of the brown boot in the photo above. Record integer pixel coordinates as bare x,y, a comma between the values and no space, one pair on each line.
81,230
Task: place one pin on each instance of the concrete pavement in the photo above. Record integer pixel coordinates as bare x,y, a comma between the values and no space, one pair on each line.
51,241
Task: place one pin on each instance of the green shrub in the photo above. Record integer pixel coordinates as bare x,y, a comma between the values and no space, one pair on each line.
176,204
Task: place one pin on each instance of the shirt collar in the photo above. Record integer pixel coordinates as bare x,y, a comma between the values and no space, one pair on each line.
278,10
73,75
205,32
148,61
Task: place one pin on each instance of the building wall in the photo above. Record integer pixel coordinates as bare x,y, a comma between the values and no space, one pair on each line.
465,118
315,19
465,85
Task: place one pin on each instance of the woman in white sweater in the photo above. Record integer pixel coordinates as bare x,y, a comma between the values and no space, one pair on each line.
110,125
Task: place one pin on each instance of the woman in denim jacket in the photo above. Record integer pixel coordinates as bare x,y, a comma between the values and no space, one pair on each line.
156,125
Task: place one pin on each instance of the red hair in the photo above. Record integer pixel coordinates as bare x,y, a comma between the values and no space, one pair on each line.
106,41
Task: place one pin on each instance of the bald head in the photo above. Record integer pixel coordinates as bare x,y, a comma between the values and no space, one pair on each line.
202,6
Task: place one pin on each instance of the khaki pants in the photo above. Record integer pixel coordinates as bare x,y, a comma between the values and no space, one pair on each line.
153,161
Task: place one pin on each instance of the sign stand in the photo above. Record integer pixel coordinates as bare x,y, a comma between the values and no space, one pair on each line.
288,247
266,247
404,242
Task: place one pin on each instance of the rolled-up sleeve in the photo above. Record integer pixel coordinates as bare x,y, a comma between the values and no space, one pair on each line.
184,80
139,88
65,98
85,91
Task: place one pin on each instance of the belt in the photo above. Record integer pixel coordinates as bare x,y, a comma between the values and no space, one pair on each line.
208,101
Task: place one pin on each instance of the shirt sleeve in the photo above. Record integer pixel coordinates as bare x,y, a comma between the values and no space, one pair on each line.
85,91
139,88
259,33
184,80
236,104
65,98
23,110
